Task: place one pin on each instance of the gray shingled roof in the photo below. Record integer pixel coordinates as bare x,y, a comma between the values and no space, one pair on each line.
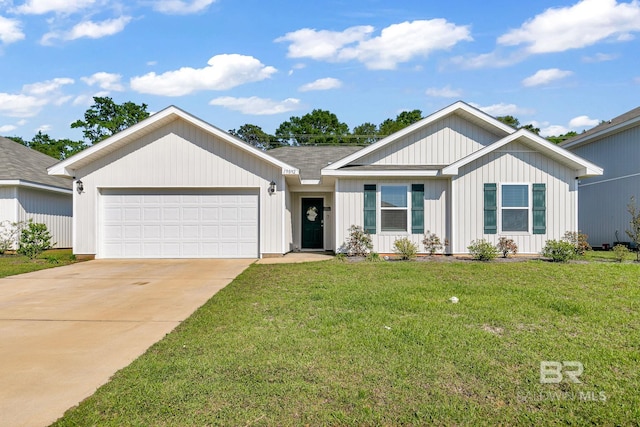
18,162
311,159
629,115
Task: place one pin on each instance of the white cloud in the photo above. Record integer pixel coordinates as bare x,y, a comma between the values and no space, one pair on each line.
20,105
43,128
600,57
181,7
106,81
89,29
583,24
40,7
503,109
543,77
223,72
553,130
257,106
583,122
444,92
10,30
396,43
46,87
7,128
322,45
321,84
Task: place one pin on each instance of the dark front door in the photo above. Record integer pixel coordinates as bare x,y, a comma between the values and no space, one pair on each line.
312,224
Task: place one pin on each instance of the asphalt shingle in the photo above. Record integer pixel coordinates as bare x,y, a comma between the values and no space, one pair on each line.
18,162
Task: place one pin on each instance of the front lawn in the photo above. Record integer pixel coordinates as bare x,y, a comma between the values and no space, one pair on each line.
18,264
334,343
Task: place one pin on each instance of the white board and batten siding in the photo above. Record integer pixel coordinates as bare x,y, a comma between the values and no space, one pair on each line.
603,199
514,163
350,210
441,143
183,160
19,204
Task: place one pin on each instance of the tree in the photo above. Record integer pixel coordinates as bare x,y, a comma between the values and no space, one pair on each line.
634,232
105,118
316,128
510,121
254,135
401,121
57,148
366,133
531,128
561,138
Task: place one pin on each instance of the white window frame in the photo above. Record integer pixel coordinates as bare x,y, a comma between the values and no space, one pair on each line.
529,208
407,208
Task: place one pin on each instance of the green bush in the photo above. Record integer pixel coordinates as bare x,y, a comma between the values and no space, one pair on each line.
507,246
482,250
359,241
34,239
340,257
559,250
405,248
373,257
620,252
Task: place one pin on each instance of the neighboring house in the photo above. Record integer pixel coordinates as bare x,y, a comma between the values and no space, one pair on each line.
175,186
27,191
615,145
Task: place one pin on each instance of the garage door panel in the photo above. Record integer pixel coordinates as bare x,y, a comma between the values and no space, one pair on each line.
155,225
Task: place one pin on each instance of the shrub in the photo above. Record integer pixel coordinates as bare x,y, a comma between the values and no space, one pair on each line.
373,257
507,245
359,241
432,243
634,231
8,235
559,250
620,252
340,257
482,250
578,240
405,248
34,239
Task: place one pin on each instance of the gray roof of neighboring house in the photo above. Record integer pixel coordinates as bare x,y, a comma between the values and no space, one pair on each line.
311,159
629,115
18,162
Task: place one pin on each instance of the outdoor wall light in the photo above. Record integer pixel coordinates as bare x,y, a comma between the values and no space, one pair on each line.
272,187
79,186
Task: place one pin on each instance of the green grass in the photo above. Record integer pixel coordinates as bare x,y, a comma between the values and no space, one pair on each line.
607,256
335,343
18,264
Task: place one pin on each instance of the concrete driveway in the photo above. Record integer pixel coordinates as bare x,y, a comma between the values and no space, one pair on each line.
65,331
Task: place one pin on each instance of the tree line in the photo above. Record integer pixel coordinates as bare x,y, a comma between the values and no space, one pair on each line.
319,127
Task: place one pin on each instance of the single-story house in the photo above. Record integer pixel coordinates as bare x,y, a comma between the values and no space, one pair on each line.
615,145
176,186
27,191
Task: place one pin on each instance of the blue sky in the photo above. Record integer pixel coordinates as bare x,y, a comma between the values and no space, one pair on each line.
561,65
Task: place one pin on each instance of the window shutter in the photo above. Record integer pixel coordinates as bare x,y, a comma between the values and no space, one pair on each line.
417,208
370,208
490,209
539,209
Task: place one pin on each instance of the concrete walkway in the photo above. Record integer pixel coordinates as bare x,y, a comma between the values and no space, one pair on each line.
65,331
296,257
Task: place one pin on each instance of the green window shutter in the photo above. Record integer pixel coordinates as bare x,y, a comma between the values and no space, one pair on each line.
417,208
490,209
539,209
370,208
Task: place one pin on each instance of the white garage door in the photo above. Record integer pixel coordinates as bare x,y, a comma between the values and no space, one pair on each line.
178,224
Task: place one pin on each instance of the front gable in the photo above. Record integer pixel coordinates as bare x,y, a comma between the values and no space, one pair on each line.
438,143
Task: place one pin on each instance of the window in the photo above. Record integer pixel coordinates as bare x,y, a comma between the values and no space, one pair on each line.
515,207
393,208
